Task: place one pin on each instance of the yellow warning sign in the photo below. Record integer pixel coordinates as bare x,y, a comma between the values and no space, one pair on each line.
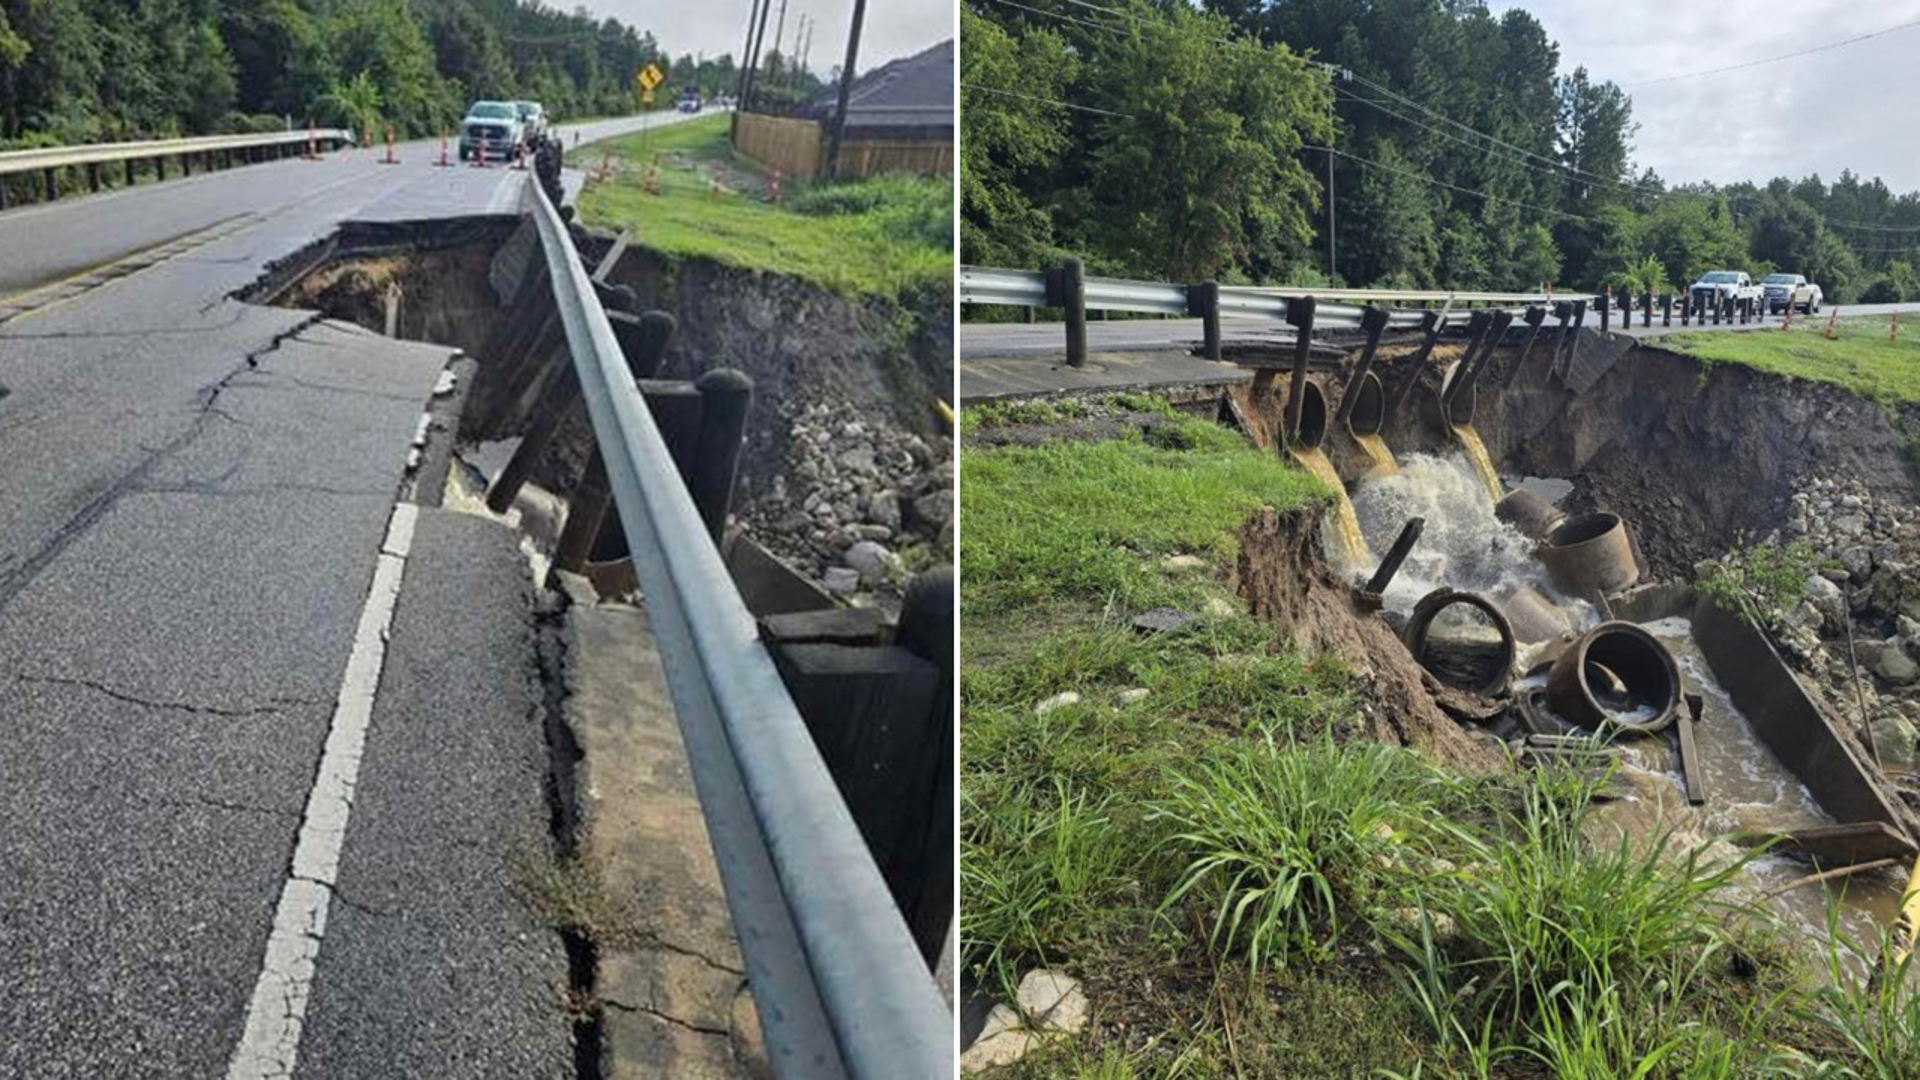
650,77
646,97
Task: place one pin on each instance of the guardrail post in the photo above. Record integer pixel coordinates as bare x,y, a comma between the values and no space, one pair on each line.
1535,316
1430,325
1073,288
129,164
1479,324
1373,321
1300,314
1666,309
726,395
645,346
50,183
1719,306
1646,309
1606,309
1204,300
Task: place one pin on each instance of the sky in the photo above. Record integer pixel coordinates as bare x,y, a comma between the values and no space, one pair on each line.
1851,107
894,28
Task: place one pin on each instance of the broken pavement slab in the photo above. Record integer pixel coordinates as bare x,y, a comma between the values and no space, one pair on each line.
670,975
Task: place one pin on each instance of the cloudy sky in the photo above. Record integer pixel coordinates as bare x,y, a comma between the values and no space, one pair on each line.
1848,107
894,28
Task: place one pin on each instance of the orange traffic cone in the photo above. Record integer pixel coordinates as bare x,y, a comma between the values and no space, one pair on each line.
390,159
443,162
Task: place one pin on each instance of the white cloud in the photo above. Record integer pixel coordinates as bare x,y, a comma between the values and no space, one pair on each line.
1846,108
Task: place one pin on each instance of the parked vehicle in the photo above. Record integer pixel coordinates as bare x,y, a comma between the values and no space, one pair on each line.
1785,291
690,100
1720,286
533,121
492,127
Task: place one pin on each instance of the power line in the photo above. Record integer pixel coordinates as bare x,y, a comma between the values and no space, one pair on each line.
1045,101
1455,187
1776,59
1064,18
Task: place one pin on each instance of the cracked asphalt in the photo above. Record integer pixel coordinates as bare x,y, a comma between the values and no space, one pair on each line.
193,493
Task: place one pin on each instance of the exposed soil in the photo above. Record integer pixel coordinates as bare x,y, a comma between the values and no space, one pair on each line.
1692,455
1284,580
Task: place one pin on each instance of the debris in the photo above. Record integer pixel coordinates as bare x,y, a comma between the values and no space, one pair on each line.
1617,675
1181,563
1160,620
1060,700
1691,772
1836,845
1138,693
1052,1001
1402,545
1480,663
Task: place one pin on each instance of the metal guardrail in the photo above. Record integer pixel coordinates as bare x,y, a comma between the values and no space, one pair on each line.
838,981
47,161
60,157
1028,288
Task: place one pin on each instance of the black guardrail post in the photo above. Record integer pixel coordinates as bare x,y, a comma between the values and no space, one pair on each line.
1535,316
1666,309
1430,325
1646,309
1606,309
1300,315
726,395
1496,334
1203,300
1719,307
1477,326
1073,286
1373,320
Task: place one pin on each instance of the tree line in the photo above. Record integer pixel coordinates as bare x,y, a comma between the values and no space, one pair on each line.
76,71
1157,140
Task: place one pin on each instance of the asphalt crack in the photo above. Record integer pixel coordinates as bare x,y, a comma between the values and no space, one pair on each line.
279,706
654,941
16,579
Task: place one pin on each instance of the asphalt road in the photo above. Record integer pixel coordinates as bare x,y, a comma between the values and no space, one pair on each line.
193,498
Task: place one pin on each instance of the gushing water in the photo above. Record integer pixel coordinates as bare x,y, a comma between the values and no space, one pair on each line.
1464,546
1477,456
1345,544
1376,450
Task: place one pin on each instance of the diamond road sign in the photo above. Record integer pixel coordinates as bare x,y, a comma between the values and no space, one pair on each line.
650,77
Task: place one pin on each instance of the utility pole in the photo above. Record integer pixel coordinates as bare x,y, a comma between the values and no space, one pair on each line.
846,88
740,89
799,37
753,60
1332,274
780,32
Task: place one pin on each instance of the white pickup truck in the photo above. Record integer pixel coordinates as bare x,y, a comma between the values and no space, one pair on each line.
1785,291
1719,286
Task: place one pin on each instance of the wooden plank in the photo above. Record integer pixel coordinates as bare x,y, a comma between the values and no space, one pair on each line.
1837,845
1690,767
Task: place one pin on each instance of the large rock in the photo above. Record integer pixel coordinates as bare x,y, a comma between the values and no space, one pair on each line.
1891,662
1002,1041
874,564
1894,737
1053,1001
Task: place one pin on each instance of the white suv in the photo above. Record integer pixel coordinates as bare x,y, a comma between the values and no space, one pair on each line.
492,127
1791,291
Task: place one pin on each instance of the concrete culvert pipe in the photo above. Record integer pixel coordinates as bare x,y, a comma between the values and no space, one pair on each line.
1615,675
1534,617
1479,663
1588,553
1313,418
1369,409
1534,516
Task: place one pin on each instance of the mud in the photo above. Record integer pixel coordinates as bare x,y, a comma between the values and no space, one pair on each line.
1284,580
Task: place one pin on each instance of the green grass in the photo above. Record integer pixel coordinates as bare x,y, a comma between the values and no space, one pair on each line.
881,237
1084,519
1246,887
1859,358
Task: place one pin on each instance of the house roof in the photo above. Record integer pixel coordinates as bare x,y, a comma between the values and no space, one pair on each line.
913,91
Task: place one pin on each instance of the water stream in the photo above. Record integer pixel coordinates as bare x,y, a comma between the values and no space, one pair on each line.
1376,450
1346,546
1465,547
1477,456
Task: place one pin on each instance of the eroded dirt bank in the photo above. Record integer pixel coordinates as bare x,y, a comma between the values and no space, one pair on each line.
1694,454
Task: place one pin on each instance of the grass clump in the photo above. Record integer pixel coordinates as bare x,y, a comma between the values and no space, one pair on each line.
1763,581
1285,844
882,237
1084,519
1859,357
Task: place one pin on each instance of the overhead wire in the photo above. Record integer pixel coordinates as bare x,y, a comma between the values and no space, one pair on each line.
1776,59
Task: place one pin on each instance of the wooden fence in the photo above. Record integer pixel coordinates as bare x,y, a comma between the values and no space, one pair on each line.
798,148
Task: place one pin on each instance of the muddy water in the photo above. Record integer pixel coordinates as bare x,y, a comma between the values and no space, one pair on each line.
1748,790
1463,546
1476,452
1380,458
1346,546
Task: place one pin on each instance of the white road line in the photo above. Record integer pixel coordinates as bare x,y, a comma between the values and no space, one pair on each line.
271,1041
